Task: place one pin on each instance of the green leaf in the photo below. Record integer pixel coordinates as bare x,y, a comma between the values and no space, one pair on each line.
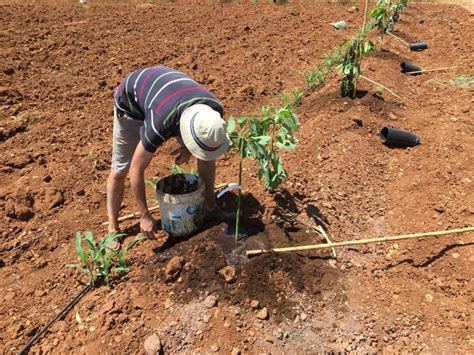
262,140
242,121
231,125
80,252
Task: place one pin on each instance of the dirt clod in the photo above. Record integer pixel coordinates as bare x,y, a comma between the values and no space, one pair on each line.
254,304
228,273
173,268
152,345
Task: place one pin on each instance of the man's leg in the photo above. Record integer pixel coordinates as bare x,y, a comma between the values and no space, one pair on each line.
126,135
207,172
115,191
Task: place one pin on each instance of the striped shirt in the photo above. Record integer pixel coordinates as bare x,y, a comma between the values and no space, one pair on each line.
158,96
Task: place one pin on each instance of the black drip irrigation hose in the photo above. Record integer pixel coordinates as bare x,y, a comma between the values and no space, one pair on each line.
66,309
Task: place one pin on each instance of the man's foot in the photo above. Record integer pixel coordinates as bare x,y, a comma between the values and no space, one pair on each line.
117,242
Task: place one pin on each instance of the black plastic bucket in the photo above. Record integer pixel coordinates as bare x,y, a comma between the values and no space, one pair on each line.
418,46
407,67
398,138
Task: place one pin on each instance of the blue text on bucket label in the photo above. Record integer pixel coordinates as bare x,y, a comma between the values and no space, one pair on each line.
192,209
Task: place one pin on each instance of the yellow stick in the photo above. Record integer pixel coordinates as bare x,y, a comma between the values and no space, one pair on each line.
401,40
321,231
383,87
429,70
361,241
154,208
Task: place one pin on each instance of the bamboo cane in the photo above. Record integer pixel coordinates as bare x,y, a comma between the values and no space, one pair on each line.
154,208
429,70
321,231
401,40
383,87
360,241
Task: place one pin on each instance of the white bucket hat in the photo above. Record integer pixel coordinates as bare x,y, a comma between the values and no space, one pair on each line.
204,132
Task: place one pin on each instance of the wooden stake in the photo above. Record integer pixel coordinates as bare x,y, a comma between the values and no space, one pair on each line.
383,87
154,208
323,232
360,242
320,230
401,40
429,70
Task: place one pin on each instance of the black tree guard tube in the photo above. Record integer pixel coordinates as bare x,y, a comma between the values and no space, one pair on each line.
66,309
395,137
407,67
418,46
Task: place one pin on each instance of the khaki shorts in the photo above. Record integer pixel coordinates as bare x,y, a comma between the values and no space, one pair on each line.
126,137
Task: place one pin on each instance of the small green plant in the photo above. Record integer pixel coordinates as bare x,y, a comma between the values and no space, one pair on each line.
381,15
176,169
294,100
98,260
357,48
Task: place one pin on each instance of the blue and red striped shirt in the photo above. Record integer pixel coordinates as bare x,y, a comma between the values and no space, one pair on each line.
158,96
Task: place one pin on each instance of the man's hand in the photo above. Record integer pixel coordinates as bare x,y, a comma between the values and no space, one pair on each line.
147,226
183,157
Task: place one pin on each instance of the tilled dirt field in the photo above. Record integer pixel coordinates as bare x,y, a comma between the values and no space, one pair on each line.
59,67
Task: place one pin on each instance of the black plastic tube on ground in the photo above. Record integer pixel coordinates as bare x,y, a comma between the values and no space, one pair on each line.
418,46
398,138
407,67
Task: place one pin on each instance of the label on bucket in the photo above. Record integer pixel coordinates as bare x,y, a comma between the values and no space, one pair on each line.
192,209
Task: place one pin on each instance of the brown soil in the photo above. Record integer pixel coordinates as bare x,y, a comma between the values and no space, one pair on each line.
59,67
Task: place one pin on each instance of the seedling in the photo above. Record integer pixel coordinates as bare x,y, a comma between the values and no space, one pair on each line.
381,14
98,260
259,138
357,48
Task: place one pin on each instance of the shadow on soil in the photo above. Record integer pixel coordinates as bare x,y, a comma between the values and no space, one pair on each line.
431,259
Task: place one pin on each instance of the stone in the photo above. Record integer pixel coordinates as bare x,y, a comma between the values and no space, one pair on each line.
60,326
210,301
173,268
278,334
254,304
108,306
303,316
352,9
152,345
228,273
429,297
168,303
263,313
215,348
236,351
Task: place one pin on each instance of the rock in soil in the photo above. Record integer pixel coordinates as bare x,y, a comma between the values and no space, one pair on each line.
254,304
228,273
236,351
263,313
173,268
210,301
152,345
